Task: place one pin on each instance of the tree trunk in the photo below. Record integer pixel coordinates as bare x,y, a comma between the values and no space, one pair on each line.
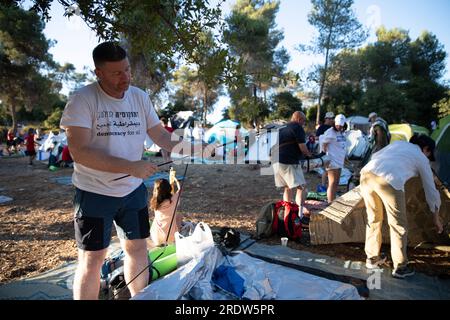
205,106
255,96
325,69
322,85
14,118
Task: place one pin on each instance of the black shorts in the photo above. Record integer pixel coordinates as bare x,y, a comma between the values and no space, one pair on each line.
30,153
95,214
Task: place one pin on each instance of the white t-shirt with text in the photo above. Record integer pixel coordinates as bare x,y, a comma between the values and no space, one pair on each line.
118,127
337,147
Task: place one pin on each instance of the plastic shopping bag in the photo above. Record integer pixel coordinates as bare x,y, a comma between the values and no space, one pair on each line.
190,247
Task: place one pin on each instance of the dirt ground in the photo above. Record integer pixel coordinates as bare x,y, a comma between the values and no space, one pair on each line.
36,228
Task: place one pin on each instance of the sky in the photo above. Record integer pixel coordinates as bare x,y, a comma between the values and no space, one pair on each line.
75,41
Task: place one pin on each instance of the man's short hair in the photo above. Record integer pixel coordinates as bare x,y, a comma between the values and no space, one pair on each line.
422,140
108,52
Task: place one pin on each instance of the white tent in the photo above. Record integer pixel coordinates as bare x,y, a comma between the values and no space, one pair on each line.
357,144
45,148
260,145
358,123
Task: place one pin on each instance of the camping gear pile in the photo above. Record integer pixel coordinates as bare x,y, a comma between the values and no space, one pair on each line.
210,272
205,266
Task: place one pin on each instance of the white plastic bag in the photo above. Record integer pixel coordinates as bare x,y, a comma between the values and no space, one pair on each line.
190,247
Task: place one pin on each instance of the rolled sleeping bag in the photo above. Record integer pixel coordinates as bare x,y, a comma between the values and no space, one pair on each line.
166,260
165,250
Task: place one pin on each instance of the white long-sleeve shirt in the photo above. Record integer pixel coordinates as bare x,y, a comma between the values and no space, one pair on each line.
399,162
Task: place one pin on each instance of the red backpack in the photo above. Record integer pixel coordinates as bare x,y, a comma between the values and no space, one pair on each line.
286,221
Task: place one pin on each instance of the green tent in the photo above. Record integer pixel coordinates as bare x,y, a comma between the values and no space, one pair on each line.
442,137
405,131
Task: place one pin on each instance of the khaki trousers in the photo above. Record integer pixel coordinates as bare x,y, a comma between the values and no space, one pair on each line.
378,193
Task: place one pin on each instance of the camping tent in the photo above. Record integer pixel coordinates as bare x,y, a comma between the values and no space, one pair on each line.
358,123
259,148
224,131
357,144
405,131
183,119
442,137
51,141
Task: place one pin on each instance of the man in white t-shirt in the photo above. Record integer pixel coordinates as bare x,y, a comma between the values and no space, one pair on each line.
383,182
106,124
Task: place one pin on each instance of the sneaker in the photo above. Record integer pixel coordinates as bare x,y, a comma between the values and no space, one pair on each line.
403,272
375,262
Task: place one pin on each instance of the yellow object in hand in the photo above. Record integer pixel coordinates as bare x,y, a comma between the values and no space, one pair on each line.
172,175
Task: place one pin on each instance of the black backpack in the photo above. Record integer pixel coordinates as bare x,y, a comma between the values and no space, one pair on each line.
279,218
264,221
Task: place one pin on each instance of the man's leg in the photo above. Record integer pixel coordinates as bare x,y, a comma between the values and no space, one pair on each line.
287,194
374,209
394,202
136,260
86,284
300,196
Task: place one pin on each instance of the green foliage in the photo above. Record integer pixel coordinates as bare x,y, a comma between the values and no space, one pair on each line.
157,33
52,122
443,106
249,112
253,39
311,113
338,28
33,115
284,105
201,85
337,25
23,58
5,118
226,114
394,76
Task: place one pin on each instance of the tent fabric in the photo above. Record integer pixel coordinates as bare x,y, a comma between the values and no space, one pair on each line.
259,149
224,131
381,284
358,123
404,131
442,153
183,119
263,281
229,280
4,199
56,284
357,144
346,175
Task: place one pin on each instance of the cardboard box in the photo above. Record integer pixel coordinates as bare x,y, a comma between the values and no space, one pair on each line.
345,219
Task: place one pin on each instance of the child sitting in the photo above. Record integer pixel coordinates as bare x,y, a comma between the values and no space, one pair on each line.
163,204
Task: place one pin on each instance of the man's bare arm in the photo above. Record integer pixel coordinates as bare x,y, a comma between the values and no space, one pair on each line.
381,138
304,149
83,153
